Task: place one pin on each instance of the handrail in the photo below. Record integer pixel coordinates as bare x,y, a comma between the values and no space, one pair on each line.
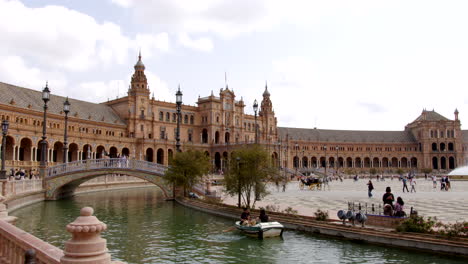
114,163
15,242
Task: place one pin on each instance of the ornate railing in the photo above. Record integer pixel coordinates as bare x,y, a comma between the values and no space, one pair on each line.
91,164
15,187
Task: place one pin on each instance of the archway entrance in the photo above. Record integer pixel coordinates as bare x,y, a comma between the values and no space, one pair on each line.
160,156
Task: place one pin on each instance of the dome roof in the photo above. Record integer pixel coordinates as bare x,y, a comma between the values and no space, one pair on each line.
266,92
139,62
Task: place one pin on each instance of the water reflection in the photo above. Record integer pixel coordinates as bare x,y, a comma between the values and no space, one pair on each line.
143,228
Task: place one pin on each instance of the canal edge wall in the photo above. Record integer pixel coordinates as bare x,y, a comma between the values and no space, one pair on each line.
24,199
421,242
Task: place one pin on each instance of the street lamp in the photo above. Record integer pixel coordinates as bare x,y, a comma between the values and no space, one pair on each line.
255,108
296,159
325,148
238,183
66,110
45,98
4,132
336,161
178,106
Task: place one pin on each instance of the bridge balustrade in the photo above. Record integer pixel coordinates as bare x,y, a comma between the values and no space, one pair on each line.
115,163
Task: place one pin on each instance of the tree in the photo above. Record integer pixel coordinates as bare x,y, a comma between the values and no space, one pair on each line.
187,169
249,171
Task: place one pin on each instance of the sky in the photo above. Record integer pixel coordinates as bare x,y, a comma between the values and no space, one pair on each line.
335,64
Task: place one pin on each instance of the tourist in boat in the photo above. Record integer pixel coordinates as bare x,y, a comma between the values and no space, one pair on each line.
263,216
245,216
370,187
399,207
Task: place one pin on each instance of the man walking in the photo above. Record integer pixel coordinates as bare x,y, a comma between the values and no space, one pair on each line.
405,185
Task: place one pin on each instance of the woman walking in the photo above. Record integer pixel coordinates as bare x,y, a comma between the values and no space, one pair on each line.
370,187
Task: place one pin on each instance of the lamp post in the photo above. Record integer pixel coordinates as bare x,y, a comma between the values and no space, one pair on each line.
325,148
296,158
5,125
45,98
336,162
66,110
178,108
238,183
255,108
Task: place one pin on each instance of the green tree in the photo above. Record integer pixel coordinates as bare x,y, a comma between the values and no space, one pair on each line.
187,169
250,169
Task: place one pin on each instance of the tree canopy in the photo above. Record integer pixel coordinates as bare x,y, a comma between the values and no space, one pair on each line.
250,169
188,168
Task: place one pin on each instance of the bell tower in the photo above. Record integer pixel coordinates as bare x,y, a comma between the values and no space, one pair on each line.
267,116
139,84
139,102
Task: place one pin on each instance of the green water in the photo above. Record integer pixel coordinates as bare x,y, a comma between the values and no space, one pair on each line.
143,228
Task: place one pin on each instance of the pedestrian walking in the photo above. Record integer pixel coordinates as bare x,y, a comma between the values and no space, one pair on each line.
405,184
370,187
434,181
413,184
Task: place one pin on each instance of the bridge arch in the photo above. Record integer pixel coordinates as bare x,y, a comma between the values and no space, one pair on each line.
62,180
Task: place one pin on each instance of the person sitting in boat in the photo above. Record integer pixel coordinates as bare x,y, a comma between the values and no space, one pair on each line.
263,216
245,216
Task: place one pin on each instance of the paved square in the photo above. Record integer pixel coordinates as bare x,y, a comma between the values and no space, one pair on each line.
447,206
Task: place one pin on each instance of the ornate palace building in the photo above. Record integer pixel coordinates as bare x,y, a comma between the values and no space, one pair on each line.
143,128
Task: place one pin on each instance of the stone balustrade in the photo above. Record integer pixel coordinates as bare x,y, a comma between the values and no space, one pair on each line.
12,188
85,247
115,163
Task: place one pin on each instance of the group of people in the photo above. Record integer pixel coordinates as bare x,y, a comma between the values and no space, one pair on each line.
390,208
246,218
412,181
21,174
444,183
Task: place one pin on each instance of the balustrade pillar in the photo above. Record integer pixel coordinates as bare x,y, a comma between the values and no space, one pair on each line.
86,245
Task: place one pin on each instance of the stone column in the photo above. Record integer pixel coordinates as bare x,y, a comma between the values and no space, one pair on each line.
86,245
13,158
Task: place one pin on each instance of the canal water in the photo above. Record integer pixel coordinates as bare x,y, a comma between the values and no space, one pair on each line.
143,228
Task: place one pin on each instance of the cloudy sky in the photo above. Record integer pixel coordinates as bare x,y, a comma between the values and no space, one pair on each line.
361,65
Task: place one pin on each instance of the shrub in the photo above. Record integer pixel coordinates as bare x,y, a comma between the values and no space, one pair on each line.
458,229
290,211
272,208
418,224
321,215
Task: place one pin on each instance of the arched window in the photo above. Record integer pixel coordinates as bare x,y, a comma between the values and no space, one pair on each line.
434,146
161,116
191,120
450,146
186,119
168,117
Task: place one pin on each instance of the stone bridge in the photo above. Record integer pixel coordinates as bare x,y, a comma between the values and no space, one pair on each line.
61,181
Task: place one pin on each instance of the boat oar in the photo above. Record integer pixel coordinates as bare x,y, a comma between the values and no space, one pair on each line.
232,228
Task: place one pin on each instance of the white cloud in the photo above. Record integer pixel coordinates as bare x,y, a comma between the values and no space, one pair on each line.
158,87
150,42
60,37
14,70
201,44
123,3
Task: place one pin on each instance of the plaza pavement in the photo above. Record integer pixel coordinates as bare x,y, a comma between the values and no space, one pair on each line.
447,206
